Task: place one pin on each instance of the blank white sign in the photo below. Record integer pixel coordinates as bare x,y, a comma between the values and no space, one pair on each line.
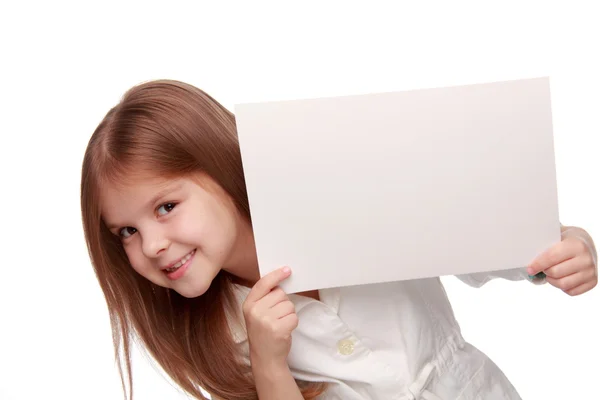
402,185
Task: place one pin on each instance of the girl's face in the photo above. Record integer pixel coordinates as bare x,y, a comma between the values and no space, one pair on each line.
179,233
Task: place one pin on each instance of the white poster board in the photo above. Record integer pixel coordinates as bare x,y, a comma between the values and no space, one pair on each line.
401,185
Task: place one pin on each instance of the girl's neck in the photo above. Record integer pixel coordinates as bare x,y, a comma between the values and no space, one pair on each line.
313,294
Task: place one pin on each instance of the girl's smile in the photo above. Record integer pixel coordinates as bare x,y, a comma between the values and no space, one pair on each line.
177,269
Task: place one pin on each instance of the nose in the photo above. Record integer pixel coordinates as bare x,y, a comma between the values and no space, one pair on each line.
154,242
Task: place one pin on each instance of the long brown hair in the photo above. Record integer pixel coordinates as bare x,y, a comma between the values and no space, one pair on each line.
170,129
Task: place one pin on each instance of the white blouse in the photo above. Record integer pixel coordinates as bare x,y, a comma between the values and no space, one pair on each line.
392,341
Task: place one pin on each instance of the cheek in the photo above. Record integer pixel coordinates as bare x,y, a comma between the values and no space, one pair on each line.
213,231
136,259
225,233
188,229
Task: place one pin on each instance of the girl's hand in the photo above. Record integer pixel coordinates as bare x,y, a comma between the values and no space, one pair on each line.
270,319
568,265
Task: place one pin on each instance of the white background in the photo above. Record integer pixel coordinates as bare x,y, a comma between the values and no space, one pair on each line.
64,65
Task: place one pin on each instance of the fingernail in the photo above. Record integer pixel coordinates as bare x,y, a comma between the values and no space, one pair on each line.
286,270
530,270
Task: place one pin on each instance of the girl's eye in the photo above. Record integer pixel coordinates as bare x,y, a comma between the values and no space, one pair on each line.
128,231
167,207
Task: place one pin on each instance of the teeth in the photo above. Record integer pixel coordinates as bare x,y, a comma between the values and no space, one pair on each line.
181,262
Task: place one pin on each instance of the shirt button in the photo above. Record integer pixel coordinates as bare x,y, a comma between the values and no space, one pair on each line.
345,347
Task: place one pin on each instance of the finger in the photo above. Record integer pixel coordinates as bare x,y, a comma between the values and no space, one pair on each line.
554,255
267,283
289,322
565,268
582,288
276,296
572,281
283,309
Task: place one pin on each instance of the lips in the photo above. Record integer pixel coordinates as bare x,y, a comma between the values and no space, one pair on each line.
176,265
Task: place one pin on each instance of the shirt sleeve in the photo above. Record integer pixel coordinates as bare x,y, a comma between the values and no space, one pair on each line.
479,279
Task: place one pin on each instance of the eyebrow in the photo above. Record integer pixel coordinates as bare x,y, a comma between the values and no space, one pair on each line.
162,193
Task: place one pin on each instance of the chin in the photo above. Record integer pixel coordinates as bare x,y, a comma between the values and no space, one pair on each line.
191,292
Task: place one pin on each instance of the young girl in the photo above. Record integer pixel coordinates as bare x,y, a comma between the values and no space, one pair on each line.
168,229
